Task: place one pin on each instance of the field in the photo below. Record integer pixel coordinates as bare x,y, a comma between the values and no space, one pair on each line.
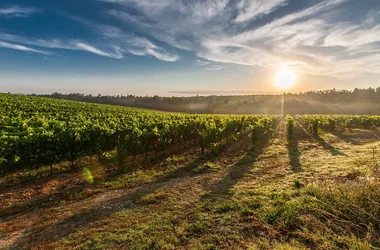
89,176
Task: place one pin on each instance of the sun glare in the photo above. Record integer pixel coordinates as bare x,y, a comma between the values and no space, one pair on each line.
285,78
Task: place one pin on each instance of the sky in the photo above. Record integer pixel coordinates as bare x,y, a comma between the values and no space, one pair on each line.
186,47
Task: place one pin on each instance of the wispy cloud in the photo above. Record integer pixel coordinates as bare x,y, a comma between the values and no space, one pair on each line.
127,42
202,63
82,46
18,11
115,49
67,44
214,67
251,9
22,48
114,43
316,39
210,66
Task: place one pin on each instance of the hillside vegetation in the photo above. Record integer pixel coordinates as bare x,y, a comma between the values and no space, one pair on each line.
88,176
39,131
358,101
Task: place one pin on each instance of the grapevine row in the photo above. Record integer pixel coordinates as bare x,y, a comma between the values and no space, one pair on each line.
331,123
37,131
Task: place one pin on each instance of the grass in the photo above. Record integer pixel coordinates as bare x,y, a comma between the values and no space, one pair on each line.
329,216
277,196
207,168
298,184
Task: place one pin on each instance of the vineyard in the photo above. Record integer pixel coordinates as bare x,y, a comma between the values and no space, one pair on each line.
38,131
164,180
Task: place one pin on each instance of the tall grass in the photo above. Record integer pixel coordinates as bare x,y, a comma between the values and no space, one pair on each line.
331,215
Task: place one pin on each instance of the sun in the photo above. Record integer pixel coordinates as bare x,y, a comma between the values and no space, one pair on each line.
285,78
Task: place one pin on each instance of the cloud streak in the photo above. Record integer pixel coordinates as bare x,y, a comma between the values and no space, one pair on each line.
316,39
122,44
114,42
126,42
22,48
67,44
209,66
18,11
251,9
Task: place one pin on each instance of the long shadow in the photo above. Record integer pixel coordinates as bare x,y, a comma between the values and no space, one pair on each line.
42,202
294,154
327,146
46,201
64,194
241,168
45,176
95,213
346,138
53,233
358,139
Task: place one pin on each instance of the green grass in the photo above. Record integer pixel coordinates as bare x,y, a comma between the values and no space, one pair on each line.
207,168
243,198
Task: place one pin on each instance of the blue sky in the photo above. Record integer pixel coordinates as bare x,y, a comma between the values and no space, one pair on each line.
180,47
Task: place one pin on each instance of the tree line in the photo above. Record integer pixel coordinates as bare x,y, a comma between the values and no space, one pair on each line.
357,101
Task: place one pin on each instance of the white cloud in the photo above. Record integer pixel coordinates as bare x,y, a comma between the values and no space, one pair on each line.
214,68
318,39
115,42
113,52
126,42
285,24
208,29
209,66
251,9
229,52
202,63
22,48
82,46
18,11
352,35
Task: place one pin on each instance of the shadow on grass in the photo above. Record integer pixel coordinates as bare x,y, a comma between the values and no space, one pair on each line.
52,233
327,146
242,167
111,173
294,155
104,209
356,137
42,174
45,201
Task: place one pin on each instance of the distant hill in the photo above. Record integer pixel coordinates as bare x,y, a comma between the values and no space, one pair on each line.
357,101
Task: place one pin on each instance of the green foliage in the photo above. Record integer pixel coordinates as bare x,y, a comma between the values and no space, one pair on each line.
37,131
358,101
289,126
330,123
261,128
